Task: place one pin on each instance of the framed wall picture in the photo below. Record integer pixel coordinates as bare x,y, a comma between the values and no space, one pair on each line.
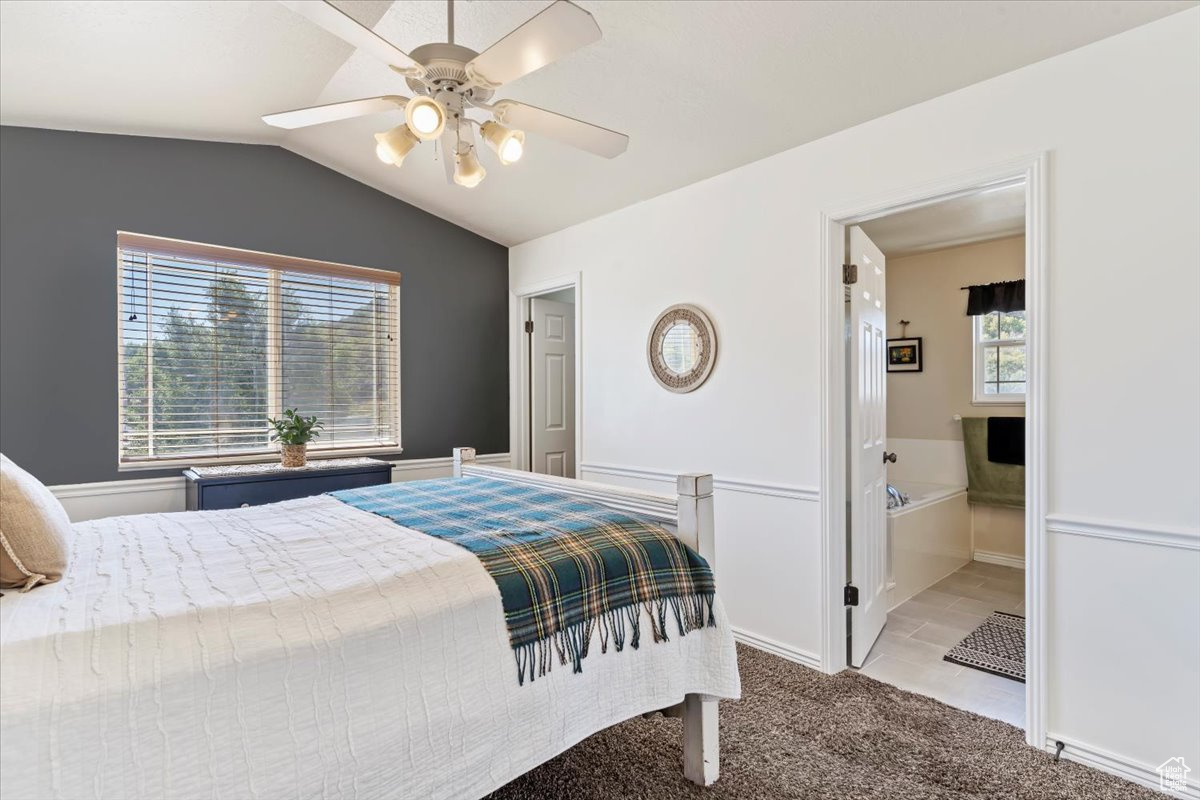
904,355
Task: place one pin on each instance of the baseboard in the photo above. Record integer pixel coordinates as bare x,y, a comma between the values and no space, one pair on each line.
84,501
811,660
1134,771
790,492
1003,559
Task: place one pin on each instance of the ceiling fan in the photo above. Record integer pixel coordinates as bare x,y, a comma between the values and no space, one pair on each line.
448,79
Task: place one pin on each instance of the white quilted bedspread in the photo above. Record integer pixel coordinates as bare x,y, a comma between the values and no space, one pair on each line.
305,649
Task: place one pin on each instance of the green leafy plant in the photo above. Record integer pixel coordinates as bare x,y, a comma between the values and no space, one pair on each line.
295,429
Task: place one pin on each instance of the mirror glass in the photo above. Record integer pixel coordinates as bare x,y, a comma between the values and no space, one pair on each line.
681,348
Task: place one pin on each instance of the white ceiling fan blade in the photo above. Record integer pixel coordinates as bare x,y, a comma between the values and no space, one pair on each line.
567,130
352,32
319,115
559,29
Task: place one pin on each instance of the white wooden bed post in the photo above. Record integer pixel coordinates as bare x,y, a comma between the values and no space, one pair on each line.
692,513
701,745
462,455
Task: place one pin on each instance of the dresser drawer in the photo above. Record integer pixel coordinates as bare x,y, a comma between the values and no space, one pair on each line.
209,495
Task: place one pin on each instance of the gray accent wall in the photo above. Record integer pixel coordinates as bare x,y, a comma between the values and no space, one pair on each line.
64,196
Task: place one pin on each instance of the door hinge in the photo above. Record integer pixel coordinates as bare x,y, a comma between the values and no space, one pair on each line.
850,595
529,326
849,273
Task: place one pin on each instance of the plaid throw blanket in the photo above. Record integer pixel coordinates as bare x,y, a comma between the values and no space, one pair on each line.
566,568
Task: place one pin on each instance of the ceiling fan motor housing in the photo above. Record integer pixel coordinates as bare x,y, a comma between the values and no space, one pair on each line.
445,67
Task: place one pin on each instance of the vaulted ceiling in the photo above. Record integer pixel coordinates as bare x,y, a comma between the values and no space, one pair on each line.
700,87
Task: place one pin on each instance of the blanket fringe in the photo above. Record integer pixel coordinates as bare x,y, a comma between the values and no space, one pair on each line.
621,626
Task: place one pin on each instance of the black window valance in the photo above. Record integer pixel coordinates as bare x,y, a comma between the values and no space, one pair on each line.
1002,296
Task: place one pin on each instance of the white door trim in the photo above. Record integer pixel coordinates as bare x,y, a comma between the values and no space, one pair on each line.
1033,170
518,364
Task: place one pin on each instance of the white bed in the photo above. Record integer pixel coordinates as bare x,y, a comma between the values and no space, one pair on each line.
307,649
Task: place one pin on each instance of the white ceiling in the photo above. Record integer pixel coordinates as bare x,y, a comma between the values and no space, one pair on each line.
976,217
681,78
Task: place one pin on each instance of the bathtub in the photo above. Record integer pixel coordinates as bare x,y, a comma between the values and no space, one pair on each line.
927,539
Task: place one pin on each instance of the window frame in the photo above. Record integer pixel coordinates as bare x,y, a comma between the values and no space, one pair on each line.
277,265
978,345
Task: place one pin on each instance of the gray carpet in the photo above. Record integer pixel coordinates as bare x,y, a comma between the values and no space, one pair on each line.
799,734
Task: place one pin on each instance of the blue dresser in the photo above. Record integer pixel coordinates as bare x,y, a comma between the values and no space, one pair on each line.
210,488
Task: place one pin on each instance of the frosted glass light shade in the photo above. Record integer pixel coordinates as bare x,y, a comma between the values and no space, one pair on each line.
392,146
507,144
468,171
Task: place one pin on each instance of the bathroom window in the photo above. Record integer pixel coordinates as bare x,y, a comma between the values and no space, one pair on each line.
999,357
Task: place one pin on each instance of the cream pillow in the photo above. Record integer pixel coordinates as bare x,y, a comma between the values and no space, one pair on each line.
34,529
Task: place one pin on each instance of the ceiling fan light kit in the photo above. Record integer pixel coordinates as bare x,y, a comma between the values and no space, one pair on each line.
449,79
425,117
468,171
392,146
506,143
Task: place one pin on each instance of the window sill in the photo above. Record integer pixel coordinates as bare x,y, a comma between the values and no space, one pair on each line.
999,402
211,461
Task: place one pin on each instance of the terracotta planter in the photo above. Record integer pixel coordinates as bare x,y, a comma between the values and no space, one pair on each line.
294,455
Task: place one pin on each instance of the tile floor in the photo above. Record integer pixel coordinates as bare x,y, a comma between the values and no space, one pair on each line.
919,632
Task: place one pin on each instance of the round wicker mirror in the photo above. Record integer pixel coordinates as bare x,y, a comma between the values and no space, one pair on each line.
682,348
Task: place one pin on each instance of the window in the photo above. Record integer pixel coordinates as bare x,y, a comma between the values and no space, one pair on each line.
1000,357
214,340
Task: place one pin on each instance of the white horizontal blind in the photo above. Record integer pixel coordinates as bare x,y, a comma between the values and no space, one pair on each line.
214,343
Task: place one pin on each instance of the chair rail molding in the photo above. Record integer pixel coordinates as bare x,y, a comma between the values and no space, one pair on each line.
407,469
84,501
70,491
1159,535
787,491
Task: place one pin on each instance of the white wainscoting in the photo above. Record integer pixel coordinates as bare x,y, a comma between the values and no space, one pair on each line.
116,498
1121,622
1096,758
85,501
763,531
420,469
790,492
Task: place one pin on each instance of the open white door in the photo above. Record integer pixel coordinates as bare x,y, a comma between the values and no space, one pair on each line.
867,415
552,388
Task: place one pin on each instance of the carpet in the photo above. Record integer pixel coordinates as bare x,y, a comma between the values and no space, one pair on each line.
798,733
997,646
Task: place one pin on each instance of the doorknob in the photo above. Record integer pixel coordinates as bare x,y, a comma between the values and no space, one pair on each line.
889,457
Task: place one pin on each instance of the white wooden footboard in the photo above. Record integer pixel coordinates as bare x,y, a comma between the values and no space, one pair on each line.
689,515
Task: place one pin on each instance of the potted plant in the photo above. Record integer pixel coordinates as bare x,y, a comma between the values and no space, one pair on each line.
294,432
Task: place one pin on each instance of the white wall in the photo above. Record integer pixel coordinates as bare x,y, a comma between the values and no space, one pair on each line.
1121,119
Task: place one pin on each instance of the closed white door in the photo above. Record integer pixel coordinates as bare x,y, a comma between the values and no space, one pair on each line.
552,388
867,415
